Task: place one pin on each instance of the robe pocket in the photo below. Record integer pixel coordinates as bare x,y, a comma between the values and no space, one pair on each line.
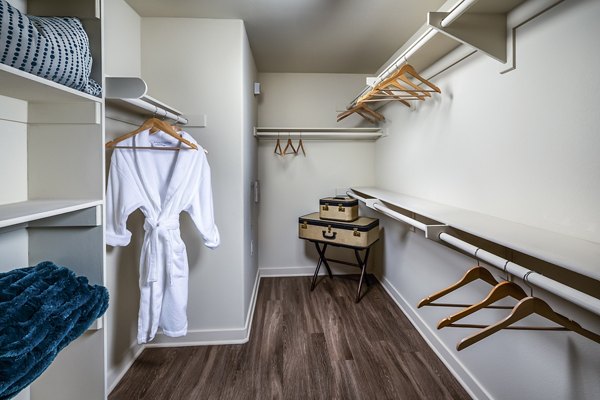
180,262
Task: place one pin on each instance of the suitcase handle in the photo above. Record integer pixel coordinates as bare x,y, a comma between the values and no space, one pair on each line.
330,235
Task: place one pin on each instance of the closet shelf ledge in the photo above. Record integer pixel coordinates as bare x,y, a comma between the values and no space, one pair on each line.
568,252
130,93
25,86
32,210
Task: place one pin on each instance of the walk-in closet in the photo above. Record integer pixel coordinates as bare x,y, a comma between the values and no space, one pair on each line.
299,199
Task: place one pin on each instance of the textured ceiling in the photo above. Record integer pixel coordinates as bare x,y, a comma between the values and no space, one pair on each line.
337,36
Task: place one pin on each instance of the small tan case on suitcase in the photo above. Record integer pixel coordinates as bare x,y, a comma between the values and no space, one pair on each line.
360,233
338,208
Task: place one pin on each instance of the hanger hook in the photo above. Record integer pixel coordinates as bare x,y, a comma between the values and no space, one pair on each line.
505,271
476,258
526,281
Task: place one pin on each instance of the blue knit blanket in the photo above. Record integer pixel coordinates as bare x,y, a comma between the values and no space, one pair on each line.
42,309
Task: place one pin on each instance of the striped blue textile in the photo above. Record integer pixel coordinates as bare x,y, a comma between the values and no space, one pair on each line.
55,48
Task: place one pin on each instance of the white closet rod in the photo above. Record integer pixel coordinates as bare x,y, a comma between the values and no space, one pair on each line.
400,217
415,46
457,12
574,296
155,110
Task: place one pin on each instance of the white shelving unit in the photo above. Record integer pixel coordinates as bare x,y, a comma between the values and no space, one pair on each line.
52,198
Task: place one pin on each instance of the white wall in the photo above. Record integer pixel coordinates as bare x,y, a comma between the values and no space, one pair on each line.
122,39
206,78
291,186
307,100
520,146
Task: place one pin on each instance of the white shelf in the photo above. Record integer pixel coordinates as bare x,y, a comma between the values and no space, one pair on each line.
319,133
25,86
32,210
568,252
131,94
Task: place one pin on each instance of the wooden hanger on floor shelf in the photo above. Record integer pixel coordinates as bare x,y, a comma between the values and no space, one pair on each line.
526,307
154,125
476,273
500,291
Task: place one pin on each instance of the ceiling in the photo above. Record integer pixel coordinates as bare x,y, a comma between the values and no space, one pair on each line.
328,36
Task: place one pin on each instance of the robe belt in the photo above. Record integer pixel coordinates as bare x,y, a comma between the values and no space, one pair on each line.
155,230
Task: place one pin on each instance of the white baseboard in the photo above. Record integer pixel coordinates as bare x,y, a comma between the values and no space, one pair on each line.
454,365
134,349
277,272
213,337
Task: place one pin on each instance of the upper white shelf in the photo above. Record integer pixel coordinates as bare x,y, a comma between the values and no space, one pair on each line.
32,210
25,86
568,252
319,133
130,93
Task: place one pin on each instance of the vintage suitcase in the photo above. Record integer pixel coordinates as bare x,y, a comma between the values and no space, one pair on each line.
360,233
338,208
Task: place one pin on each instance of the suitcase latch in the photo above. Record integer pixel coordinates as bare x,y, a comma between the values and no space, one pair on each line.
325,207
356,232
304,225
341,208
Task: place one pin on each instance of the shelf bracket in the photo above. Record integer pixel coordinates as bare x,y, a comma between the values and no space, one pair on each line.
433,231
486,32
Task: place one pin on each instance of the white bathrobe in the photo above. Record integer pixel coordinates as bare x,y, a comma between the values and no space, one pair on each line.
162,184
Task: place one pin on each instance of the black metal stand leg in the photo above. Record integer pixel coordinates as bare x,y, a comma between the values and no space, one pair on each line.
363,265
323,258
314,279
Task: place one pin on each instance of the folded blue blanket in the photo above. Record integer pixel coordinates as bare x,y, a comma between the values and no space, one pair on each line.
42,309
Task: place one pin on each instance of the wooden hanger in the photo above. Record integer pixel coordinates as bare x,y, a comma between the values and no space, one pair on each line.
300,146
526,307
408,69
288,145
364,111
500,291
156,125
278,149
473,274
393,83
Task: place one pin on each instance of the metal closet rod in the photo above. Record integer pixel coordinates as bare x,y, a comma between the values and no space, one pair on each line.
417,44
157,111
574,296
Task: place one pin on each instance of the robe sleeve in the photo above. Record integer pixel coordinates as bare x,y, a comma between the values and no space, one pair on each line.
201,208
121,200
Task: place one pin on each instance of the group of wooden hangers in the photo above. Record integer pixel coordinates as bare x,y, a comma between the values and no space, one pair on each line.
527,305
400,86
289,145
154,125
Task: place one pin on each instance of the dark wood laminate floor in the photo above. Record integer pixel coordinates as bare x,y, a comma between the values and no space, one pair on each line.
303,345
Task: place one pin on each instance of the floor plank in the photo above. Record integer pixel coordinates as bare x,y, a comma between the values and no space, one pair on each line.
304,345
